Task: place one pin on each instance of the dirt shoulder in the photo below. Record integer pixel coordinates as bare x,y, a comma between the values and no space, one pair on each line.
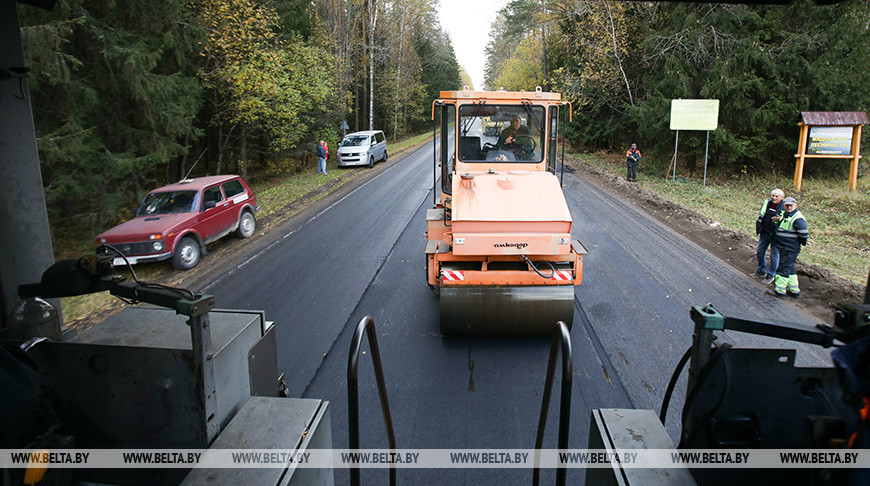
821,290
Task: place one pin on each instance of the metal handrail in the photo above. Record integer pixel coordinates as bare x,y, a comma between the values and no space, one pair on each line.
561,337
366,324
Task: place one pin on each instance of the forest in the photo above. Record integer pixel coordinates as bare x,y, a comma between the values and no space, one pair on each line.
129,96
621,64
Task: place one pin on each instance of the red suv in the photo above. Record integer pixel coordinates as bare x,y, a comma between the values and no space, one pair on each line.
178,220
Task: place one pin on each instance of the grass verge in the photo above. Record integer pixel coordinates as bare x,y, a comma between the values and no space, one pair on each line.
837,217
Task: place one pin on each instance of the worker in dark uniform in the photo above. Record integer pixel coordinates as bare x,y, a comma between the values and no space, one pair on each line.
765,228
632,159
791,235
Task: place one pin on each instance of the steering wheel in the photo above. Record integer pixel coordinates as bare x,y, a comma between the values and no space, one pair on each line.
522,149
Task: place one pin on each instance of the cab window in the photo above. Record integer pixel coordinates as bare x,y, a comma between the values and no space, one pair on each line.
447,123
501,133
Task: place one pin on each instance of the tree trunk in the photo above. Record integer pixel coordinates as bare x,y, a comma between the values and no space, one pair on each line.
356,107
360,81
220,152
616,52
399,73
243,153
262,144
544,48
138,187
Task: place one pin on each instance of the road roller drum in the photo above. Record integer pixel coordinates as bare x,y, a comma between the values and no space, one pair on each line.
507,311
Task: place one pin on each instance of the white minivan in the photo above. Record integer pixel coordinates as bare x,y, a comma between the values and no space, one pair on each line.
362,148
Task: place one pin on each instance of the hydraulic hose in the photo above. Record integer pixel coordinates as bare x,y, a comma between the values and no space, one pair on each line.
663,414
552,268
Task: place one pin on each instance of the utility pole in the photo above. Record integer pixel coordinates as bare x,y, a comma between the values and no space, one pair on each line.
373,21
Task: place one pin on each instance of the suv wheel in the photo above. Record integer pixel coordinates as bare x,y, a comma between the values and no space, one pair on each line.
371,161
247,225
186,254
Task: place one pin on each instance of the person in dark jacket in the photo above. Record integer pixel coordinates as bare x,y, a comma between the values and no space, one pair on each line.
321,157
765,228
791,235
516,138
632,159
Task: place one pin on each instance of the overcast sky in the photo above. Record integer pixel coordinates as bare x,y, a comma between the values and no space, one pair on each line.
468,22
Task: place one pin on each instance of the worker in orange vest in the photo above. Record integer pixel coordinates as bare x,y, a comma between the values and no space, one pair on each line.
632,159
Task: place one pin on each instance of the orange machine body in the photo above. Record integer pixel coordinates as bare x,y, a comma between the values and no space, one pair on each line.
498,222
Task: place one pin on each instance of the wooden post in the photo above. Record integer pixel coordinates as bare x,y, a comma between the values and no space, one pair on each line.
856,151
801,156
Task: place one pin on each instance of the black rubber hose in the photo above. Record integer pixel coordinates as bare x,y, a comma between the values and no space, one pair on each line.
705,373
672,384
552,268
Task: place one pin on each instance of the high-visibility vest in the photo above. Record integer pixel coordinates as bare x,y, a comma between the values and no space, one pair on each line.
786,231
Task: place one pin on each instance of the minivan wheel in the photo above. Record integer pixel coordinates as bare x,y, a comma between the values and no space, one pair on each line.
371,161
385,155
186,254
247,225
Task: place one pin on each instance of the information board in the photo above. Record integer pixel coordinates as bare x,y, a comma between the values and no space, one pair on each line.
830,141
700,115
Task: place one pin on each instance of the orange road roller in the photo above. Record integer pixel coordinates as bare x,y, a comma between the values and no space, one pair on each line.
499,251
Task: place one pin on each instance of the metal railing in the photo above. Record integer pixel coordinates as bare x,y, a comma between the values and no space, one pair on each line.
366,324
561,338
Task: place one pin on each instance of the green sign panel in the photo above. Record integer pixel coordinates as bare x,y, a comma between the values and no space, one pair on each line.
694,114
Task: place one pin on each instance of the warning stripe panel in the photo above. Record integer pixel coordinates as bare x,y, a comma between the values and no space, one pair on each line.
452,275
562,275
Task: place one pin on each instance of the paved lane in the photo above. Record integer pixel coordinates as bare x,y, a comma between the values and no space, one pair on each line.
641,279
311,278
363,255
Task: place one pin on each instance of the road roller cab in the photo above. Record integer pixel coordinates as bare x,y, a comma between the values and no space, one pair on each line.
499,250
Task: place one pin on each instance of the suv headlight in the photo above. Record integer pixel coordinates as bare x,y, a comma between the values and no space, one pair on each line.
157,240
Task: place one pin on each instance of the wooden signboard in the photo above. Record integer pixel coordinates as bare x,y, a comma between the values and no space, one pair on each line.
830,135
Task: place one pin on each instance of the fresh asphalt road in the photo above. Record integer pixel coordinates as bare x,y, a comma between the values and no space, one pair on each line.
361,254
